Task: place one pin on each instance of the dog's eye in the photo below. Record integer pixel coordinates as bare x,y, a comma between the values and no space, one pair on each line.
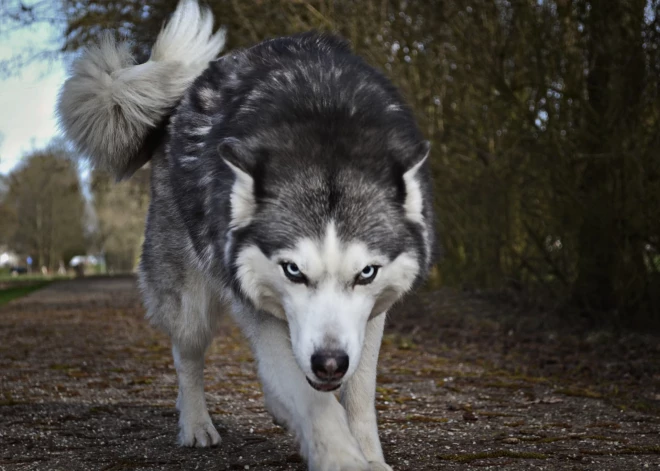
367,275
293,273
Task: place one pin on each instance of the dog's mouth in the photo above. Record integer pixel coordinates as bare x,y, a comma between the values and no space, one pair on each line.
324,387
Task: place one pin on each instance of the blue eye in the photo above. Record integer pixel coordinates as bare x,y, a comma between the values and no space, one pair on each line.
367,275
292,269
293,273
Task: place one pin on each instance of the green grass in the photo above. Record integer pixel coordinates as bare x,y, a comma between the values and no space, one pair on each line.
9,294
6,277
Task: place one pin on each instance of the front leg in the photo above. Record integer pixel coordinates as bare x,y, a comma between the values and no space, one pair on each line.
195,426
358,395
316,418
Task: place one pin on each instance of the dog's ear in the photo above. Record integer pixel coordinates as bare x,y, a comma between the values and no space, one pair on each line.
414,201
236,156
242,198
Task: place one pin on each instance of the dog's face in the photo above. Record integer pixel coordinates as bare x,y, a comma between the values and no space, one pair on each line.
326,289
326,251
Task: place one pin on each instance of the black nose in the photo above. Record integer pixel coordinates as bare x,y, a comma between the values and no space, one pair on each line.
330,365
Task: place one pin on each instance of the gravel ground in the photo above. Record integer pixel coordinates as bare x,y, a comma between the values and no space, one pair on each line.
464,382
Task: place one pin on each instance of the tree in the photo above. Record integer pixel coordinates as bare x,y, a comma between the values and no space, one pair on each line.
120,211
44,197
611,270
7,214
544,117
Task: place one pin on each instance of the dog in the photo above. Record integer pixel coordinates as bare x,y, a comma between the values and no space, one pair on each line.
291,188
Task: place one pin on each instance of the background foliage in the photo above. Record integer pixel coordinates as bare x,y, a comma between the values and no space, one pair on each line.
43,210
544,118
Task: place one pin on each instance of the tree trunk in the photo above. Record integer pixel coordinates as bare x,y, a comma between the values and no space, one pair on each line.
614,37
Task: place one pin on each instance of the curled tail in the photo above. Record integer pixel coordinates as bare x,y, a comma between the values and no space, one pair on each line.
110,107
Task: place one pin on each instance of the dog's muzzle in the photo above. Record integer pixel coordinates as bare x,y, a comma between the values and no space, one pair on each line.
329,367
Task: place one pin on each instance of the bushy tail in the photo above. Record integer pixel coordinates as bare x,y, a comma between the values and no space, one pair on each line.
110,106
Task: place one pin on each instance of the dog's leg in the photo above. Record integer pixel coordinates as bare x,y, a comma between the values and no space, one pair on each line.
359,393
277,410
195,426
317,419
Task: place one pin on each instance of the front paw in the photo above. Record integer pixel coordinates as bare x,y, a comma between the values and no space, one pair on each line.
379,466
198,431
345,459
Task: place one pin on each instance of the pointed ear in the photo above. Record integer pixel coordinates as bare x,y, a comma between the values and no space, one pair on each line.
414,201
242,198
419,154
233,152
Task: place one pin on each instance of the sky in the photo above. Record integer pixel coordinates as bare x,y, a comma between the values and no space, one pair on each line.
27,100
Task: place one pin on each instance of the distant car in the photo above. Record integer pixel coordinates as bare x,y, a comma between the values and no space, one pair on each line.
18,270
77,260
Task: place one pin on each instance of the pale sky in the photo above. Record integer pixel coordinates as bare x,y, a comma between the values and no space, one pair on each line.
27,101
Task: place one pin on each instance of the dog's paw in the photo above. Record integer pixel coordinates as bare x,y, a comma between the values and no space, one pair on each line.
346,461
280,423
200,433
379,466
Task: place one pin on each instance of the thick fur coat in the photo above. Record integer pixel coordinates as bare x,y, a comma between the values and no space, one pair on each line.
290,188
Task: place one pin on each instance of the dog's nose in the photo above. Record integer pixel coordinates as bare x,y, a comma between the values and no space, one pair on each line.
330,365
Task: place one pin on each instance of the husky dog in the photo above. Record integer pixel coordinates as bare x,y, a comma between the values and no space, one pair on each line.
291,188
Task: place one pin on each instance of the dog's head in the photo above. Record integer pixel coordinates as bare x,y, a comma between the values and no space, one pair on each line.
331,214
327,246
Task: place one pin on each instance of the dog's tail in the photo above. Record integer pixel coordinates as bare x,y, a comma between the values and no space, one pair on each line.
111,107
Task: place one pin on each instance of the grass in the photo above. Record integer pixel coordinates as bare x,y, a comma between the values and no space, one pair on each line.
11,293
6,277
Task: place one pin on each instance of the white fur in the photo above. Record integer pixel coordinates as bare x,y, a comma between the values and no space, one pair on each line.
207,95
109,105
188,38
258,277
332,312
414,201
195,426
359,393
242,199
317,419
327,318
201,131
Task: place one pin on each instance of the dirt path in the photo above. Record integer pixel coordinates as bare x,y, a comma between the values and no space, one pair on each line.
86,384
